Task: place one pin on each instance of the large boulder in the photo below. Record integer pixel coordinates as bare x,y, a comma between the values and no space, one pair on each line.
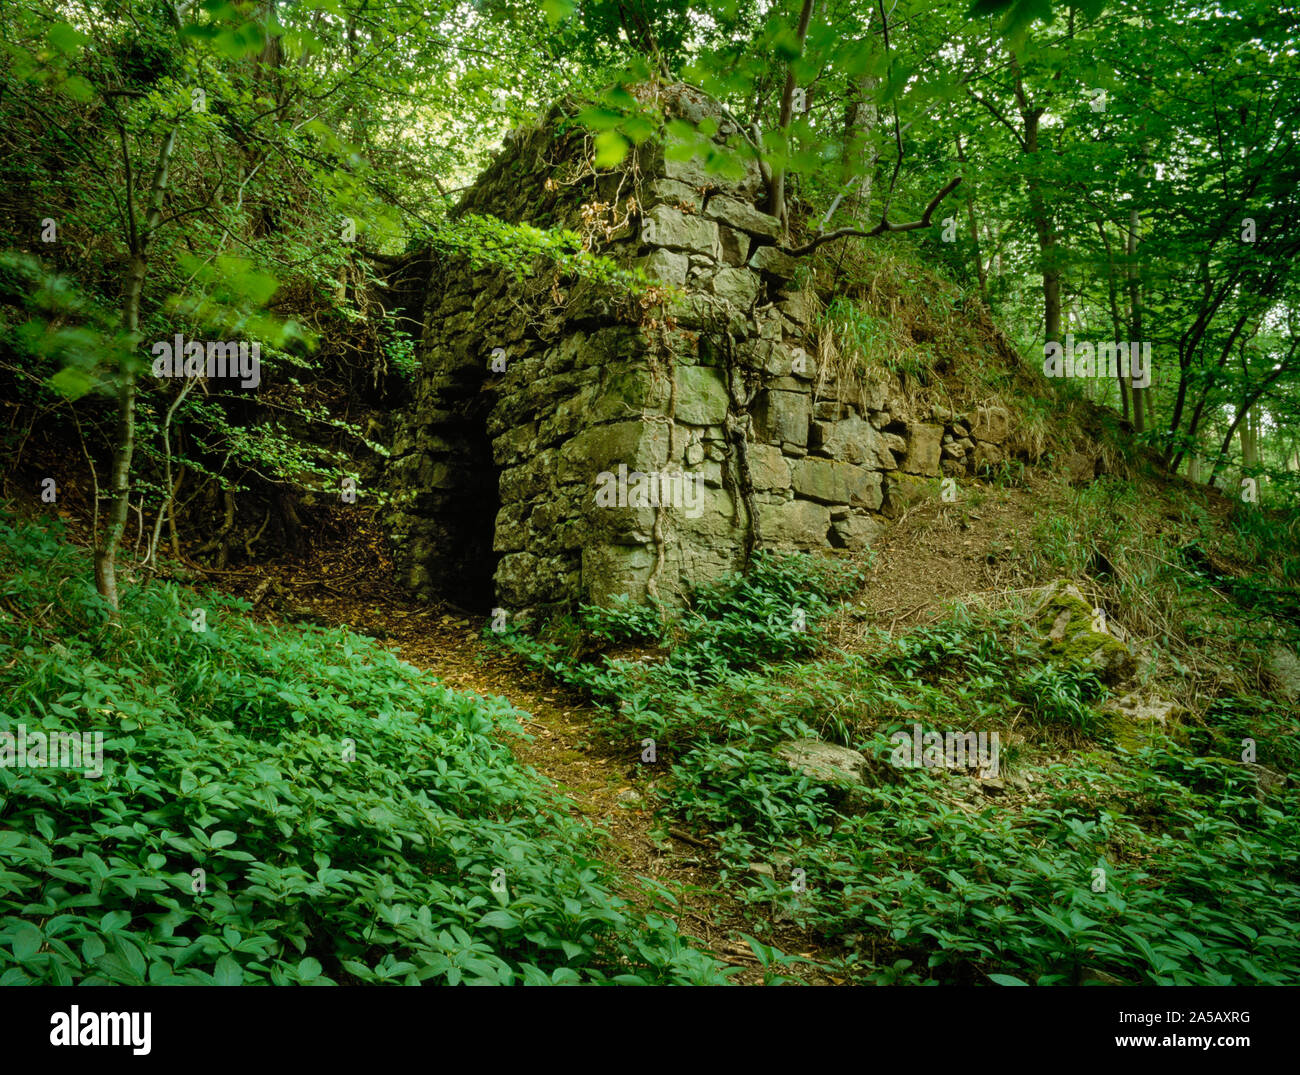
1078,636
825,761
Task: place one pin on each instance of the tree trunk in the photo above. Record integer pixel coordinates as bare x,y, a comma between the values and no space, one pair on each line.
777,206
1140,402
1044,226
124,434
860,118
1249,433
974,229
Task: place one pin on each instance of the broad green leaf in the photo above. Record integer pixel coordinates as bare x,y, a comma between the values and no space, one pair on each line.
611,149
228,972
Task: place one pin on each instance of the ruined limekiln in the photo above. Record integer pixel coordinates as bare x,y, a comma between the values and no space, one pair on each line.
571,441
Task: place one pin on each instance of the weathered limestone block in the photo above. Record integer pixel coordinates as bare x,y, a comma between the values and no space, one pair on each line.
735,245
708,519
800,523
641,445
533,478
549,512
830,481
609,571
1078,635
688,565
671,228
702,398
693,173
988,455
666,267
675,193
626,392
855,532
738,286
783,417
738,214
768,468
991,424
904,491
825,761
511,534
852,440
798,307
888,448
515,443
923,444
770,260
1137,718
524,580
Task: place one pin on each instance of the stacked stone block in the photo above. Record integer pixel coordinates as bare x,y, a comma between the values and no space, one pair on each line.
496,474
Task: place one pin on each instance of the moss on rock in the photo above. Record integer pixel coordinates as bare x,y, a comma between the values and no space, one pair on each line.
1077,637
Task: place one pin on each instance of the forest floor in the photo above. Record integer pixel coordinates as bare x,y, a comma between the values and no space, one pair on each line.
931,556
598,782
934,554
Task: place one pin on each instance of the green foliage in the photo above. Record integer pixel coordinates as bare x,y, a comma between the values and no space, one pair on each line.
485,240
353,820
623,621
1079,883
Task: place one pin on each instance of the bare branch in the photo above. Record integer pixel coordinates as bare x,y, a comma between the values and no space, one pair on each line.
879,229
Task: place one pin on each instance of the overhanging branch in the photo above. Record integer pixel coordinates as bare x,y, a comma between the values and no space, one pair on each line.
879,229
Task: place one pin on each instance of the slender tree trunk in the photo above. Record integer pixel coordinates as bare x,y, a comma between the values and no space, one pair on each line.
860,118
1242,411
1135,315
124,435
1112,294
777,206
1249,433
974,228
1044,226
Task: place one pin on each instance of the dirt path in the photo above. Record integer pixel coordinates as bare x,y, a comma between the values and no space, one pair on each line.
606,787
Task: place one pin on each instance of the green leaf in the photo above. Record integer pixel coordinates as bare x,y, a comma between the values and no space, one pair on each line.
223,838
66,38
27,942
558,10
227,972
1006,979
611,148
72,383
114,921
785,46
78,88
499,920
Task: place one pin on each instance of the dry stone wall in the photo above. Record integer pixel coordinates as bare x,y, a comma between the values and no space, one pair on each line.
569,441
